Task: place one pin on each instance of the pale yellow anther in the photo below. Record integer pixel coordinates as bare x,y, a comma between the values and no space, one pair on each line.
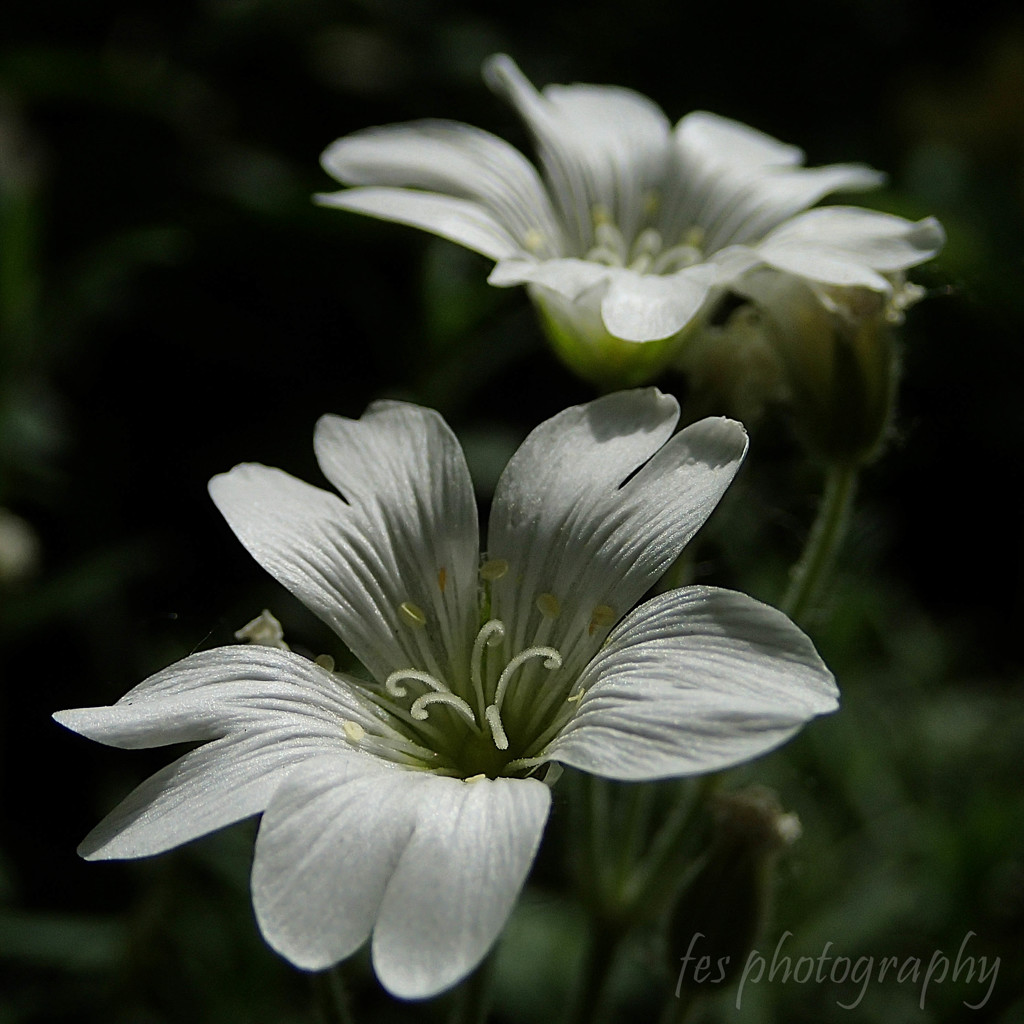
694,237
600,214
442,578
576,697
533,241
353,731
548,606
602,617
493,569
651,202
475,778
412,613
325,661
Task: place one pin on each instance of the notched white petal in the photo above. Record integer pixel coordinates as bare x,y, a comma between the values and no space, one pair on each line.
457,881
463,221
724,142
693,681
215,692
849,246
327,846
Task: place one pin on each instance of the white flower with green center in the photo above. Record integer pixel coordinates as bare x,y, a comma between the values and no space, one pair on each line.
633,227
410,804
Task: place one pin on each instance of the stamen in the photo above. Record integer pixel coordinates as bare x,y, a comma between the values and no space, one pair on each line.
442,578
602,254
491,633
353,731
677,258
646,246
609,239
392,685
412,613
533,241
552,660
523,763
548,606
648,243
475,778
325,661
493,717
418,710
576,697
493,569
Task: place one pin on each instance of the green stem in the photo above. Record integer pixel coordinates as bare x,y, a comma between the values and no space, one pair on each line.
591,997
662,866
823,542
331,997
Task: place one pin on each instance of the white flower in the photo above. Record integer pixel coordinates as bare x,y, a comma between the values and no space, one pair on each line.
410,804
633,225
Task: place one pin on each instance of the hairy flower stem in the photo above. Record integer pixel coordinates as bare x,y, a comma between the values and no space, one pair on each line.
823,542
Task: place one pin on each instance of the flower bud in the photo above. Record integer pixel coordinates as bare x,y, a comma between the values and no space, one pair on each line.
825,355
838,351
724,902
731,364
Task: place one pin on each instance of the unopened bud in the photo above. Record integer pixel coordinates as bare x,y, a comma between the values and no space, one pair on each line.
722,907
837,350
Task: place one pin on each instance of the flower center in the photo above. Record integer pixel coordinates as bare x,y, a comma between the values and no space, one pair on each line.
647,254
473,737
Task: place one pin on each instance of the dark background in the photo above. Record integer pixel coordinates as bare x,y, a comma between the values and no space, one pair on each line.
172,302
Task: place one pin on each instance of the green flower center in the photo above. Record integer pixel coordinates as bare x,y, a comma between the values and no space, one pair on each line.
647,253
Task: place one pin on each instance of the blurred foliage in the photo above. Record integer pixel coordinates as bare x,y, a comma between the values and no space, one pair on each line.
171,302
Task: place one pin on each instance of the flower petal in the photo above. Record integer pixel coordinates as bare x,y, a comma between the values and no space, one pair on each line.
327,846
736,183
207,789
693,681
459,220
457,881
849,246
711,159
722,142
762,203
569,277
598,145
266,710
647,307
404,544
455,160
576,516
433,865
412,507
213,693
